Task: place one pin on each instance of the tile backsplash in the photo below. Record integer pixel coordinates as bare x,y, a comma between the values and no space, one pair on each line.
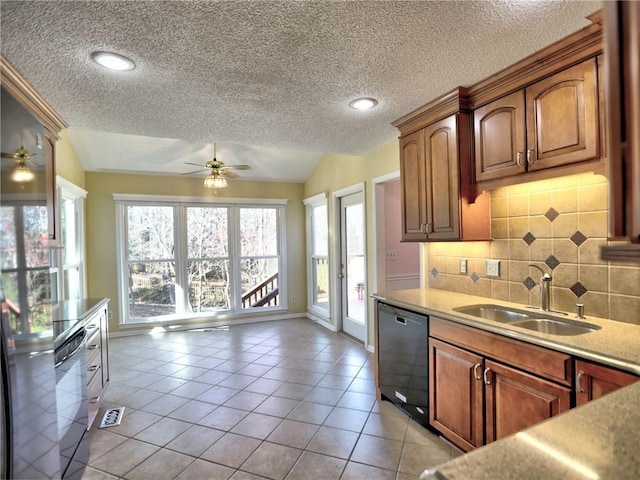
559,225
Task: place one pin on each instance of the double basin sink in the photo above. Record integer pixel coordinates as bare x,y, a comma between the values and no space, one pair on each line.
535,320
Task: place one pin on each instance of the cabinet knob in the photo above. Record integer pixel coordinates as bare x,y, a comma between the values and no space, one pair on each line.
519,158
579,381
94,400
530,160
485,375
475,371
92,347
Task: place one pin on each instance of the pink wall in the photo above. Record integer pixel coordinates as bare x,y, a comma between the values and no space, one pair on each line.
408,254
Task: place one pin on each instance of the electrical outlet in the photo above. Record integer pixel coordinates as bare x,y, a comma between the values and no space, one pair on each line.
109,314
392,254
292,299
463,265
493,268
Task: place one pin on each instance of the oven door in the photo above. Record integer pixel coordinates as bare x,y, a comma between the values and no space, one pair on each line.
72,403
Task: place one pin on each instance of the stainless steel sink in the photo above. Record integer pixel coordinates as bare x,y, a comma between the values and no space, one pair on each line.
556,327
496,313
531,320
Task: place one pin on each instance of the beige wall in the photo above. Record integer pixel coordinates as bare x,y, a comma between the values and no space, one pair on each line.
335,172
68,165
580,202
100,227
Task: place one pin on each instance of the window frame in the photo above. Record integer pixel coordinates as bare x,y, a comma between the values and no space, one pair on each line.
310,204
180,205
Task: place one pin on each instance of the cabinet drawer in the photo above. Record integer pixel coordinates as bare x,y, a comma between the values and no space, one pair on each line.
546,363
94,392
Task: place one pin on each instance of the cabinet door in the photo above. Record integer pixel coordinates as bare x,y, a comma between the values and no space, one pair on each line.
443,180
593,381
455,394
499,135
516,400
563,118
412,175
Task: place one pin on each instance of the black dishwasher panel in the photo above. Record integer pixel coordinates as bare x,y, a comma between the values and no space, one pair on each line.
403,360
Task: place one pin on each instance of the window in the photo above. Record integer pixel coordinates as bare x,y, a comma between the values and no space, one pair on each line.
192,259
70,259
318,260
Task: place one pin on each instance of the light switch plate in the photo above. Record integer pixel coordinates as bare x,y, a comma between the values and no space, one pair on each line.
463,265
392,254
493,268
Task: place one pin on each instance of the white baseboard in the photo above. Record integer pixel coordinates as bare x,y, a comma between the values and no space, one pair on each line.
321,321
371,348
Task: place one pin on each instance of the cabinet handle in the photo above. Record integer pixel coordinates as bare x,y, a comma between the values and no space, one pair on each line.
485,376
92,347
95,400
519,158
93,368
579,381
475,371
91,326
529,160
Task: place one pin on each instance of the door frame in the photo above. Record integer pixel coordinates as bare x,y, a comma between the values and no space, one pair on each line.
337,304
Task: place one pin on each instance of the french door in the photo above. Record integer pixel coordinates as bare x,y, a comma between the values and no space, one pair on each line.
352,274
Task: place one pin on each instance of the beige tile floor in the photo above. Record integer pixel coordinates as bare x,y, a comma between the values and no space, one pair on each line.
278,400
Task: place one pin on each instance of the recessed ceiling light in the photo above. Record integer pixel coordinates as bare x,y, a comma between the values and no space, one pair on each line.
363,103
113,61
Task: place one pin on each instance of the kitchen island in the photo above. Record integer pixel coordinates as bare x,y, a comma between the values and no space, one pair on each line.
596,440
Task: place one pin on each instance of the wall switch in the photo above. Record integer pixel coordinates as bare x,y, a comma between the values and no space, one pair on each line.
463,265
392,254
493,268
293,299
109,314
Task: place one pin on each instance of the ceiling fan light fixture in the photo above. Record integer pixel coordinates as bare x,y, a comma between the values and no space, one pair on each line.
215,180
365,103
113,61
22,174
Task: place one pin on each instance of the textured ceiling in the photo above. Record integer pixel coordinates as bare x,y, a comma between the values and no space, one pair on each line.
252,74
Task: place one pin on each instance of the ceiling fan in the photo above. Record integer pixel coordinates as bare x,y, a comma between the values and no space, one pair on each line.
219,172
21,172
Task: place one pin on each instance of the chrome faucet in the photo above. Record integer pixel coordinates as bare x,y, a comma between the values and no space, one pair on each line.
545,283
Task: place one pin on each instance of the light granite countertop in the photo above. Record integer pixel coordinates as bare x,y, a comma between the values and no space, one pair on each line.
598,440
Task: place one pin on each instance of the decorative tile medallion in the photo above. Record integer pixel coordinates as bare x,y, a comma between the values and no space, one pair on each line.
434,272
529,238
551,214
578,289
552,262
475,277
578,238
529,283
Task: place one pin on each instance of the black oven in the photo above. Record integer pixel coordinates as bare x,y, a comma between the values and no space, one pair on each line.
71,400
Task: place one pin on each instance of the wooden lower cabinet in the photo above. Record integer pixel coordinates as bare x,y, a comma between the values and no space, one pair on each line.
516,400
594,381
475,400
456,394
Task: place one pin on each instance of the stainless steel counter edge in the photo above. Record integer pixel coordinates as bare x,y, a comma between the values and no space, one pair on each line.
441,303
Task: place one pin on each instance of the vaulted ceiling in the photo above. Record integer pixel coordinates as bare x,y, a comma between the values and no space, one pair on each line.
269,81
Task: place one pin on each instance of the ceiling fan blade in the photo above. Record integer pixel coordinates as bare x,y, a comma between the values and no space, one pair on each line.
195,171
237,167
224,173
196,164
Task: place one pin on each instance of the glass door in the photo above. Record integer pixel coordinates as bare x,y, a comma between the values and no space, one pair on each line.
353,265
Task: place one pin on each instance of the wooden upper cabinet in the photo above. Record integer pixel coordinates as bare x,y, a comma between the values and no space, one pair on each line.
442,180
563,118
499,136
551,123
412,178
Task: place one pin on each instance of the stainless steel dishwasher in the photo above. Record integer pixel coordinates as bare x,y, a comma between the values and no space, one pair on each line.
403,360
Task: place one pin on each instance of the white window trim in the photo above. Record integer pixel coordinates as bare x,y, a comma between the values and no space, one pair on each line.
74,192
124,200
311,202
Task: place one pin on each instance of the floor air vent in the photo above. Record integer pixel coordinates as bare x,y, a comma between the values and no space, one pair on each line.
112,417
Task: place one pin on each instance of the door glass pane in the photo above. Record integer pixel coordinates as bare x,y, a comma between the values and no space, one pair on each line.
355,268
